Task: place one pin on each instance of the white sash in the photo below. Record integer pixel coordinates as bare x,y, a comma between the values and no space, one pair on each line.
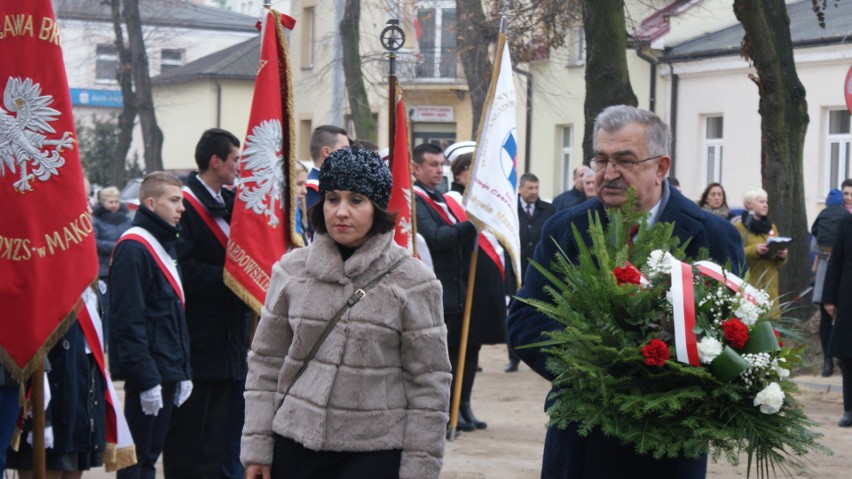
218,220
166,263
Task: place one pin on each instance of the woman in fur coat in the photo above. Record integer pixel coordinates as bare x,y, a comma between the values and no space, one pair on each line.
372,401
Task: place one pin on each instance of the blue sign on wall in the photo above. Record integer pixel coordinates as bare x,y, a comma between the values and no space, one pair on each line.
101,98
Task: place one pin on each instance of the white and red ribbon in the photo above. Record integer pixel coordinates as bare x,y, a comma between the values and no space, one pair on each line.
683,303
217,225
121,451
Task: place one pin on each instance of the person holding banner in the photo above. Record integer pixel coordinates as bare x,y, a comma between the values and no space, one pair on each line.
632,149
149,339
197,445
450,239
348,371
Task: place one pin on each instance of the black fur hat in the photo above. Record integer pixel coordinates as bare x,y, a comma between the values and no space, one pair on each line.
358,170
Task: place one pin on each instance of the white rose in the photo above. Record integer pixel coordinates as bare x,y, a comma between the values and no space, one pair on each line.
655,259
708,349
783,373
770,399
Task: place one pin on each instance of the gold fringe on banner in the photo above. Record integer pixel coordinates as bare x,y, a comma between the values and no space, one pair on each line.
115,459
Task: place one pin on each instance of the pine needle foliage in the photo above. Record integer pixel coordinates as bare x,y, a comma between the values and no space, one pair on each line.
602,381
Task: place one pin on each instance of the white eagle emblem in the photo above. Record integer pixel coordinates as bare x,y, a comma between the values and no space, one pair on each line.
24,119
262,159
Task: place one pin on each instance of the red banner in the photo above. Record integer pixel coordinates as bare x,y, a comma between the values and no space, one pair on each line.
47,246
262,225
401,200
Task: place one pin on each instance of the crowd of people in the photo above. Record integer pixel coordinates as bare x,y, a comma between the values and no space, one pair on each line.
351,367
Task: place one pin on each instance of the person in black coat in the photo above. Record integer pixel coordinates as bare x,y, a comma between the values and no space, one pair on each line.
150,341
203,440
109,220
575,195
450,242
532,213
838,303
632,150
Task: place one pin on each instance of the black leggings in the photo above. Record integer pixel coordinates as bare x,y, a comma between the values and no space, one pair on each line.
291,460
846,372
825,320
471,361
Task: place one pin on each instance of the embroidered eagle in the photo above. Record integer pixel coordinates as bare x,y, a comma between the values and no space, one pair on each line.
24,119
261,187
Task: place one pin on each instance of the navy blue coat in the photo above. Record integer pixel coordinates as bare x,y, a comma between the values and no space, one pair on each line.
109,225
566,454
568,199
216,318
838,283
149,342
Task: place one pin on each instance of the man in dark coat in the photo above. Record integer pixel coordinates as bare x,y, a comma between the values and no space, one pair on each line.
450,243
838,303
203,440
632,150
575,195
532,213
149,338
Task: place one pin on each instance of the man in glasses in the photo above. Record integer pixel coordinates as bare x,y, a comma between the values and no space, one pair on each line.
632,149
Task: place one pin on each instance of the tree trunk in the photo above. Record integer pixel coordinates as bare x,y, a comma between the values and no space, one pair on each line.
783,121
151,134
128,111
359,103
607,77
473,36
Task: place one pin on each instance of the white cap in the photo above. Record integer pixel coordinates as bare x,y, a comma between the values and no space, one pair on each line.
384,153
460,148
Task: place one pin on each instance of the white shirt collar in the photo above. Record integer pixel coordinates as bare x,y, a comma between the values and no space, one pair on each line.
215,194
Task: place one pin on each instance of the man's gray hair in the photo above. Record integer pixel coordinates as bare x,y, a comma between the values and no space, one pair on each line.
658,137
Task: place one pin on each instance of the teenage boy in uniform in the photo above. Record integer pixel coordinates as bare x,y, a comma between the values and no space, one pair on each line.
149,344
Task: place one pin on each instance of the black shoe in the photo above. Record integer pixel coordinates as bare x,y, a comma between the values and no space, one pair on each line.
512,367
827,367
467,414
846,420
455,436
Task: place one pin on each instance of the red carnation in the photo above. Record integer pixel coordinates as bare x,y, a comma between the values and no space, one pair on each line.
736,332
656,353
778,336
628,274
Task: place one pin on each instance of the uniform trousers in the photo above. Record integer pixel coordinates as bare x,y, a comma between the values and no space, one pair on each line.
149,432
195,445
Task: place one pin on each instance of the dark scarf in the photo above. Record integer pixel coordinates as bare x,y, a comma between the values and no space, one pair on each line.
757,226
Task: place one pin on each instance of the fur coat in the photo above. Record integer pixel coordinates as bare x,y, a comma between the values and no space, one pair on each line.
380,381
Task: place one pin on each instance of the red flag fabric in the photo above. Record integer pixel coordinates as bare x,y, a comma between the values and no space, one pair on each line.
262,224
401,199
47,246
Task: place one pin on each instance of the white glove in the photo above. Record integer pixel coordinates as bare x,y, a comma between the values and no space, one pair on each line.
183,392
48,437
152,400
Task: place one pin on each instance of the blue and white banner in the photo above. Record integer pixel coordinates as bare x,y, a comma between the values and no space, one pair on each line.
491,198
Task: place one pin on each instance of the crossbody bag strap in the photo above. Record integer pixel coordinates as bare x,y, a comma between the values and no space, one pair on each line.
358,295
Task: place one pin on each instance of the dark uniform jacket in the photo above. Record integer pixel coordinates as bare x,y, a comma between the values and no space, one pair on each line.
149,342
530,229
450,247
566,454
838,284
216,317
569,199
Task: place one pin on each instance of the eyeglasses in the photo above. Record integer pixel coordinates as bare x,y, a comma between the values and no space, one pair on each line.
620,163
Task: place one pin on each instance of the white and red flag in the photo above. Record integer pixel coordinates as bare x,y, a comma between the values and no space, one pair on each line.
263,222
491,197
401,198
47,246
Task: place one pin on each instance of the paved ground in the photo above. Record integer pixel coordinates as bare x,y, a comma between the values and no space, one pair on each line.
511,446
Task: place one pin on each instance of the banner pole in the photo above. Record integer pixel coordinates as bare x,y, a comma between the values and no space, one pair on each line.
37,382
468,303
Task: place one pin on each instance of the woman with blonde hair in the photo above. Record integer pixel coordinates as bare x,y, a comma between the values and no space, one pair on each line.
756,229
349,375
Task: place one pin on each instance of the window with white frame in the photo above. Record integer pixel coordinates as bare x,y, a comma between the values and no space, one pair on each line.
106,63
837,164
437,21
578,47
308,33
566,155
170,58
713,129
